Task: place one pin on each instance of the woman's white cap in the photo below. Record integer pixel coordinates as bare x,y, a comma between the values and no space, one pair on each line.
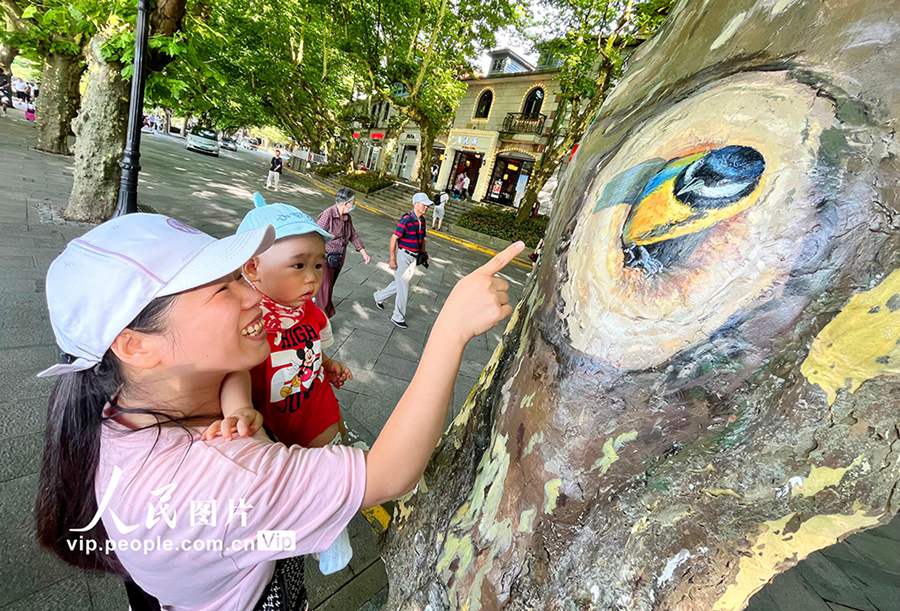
105,278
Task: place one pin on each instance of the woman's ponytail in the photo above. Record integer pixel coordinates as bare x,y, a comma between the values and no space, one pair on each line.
66,498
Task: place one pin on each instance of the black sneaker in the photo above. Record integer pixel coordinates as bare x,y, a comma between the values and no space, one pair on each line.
378,304
400,323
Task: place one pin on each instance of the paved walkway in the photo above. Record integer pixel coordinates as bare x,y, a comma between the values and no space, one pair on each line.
211,194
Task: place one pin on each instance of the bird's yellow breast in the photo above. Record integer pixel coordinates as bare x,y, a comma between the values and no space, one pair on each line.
661,216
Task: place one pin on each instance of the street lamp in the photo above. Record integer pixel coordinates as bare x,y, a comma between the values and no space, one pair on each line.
131,156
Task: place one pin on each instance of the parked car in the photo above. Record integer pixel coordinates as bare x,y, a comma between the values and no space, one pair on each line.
202,141
251,144
229,144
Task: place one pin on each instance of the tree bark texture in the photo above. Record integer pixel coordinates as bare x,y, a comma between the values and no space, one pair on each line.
426,149
7,56
58,102
700,384
99,139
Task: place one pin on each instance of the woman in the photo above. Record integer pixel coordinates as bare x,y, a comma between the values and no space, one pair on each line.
337,221
151,315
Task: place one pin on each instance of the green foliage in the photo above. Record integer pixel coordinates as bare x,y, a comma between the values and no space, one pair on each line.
414,52
329,169
44,27
252,63
365,182
502,223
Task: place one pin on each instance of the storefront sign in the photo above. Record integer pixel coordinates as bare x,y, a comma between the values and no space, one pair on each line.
467,143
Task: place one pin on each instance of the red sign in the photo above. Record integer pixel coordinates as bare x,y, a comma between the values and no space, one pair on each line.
574,150
377,136
356,135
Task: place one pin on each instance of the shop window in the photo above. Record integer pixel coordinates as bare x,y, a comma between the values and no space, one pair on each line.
533,102
483,109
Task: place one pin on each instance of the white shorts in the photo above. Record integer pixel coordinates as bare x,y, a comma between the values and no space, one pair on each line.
439,211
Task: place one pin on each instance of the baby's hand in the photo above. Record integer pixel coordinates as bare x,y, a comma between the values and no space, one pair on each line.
245,421
337,372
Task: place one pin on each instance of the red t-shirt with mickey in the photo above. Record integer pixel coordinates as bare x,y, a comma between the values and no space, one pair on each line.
290,388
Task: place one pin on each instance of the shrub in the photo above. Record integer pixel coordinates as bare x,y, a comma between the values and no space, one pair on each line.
328,169
502,223
365,182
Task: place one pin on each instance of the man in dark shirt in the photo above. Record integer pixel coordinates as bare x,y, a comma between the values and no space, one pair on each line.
407,241
275,171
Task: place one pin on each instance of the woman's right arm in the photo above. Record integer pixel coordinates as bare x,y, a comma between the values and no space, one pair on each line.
402,450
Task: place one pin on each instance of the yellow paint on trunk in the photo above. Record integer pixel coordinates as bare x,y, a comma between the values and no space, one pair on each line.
551,494
526,520
610,451
860,343
378,517
820,478
533,441
720,492
776,550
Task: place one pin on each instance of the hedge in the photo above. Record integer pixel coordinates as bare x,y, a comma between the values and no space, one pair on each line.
365,182
502,223
328,169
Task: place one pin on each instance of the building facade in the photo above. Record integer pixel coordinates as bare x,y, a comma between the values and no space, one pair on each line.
499,130
368,152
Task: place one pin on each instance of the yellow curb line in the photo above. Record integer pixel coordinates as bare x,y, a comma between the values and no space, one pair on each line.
444,236
378,517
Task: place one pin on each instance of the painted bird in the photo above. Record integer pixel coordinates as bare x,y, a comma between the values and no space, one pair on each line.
688,195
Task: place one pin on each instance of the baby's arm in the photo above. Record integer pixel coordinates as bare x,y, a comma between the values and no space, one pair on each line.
238,414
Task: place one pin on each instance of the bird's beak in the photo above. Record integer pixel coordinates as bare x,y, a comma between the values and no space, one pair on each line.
690,187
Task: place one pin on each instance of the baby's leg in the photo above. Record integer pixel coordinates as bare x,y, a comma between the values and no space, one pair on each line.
324,438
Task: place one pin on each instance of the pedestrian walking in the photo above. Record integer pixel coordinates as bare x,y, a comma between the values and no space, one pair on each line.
151,315
407,251
440,206
21,88
458,185
337,221
275,167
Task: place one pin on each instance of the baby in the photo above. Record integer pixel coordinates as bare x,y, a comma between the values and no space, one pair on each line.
290,389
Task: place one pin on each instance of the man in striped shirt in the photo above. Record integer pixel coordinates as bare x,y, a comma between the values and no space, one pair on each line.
407,242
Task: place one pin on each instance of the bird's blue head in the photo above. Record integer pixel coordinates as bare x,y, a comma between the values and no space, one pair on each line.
721,177
734,162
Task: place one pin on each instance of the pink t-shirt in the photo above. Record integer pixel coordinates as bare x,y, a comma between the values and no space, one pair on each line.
161,499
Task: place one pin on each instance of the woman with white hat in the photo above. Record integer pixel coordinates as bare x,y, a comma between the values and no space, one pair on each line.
151,315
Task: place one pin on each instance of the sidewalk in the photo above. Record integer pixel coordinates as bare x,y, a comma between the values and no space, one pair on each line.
212,194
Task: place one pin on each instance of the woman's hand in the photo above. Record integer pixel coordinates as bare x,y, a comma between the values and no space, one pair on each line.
245,422
480,300
338,373
365,256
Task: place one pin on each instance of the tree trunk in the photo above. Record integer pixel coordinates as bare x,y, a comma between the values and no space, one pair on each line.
685,402
539,177
99,139
167,121
7,56
58,102
389,146
8,53
426,150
